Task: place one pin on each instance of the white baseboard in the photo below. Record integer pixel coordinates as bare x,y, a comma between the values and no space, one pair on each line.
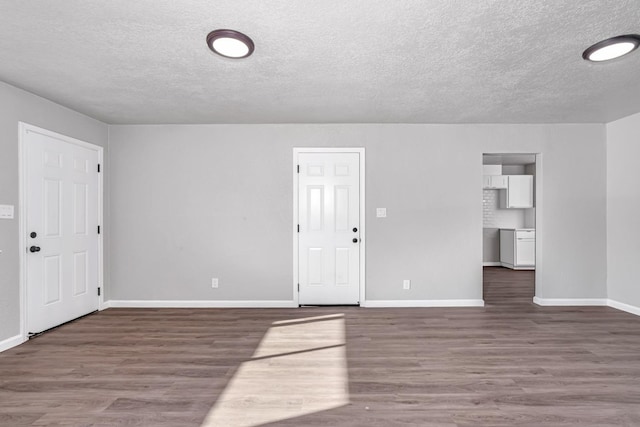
283,304
11,342
491,264
424,303
624,307
517,267
564,302
197,304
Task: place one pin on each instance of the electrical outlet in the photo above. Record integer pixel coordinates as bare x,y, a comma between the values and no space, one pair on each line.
406,284
381,212
6,211
214,282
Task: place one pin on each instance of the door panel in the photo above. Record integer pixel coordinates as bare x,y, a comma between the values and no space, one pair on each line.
80,196
80,270
61,207
341,211
52,272
342,266
52,215
316,208
315,266
329,211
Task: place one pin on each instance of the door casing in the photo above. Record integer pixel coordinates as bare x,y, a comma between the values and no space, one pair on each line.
539,219
363,241
23,129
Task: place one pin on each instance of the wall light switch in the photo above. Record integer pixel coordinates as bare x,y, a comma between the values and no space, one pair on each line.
6,211
381,212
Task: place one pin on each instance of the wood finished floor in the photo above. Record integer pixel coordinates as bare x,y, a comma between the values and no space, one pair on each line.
510,363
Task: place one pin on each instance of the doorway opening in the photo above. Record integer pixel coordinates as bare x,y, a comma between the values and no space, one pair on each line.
509,228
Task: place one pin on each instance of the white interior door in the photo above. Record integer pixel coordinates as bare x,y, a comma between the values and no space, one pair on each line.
329,233
61,212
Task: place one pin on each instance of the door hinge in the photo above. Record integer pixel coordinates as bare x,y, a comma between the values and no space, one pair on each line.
298,228
298,287
298,168
98,167
98,229
98,291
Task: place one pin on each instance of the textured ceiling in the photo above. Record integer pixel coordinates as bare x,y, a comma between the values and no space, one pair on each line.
328,61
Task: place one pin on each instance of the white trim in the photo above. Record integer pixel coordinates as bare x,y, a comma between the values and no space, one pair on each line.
624,307
23,128
538,205
361,152
294,227
22,221
425,303
101,221
491,264
564,302
328,150
517,267
11,342
198,304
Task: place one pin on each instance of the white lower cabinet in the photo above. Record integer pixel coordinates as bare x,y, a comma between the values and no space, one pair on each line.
518,248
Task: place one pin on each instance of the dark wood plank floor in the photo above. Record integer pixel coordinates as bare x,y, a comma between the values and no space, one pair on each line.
509,363
506,287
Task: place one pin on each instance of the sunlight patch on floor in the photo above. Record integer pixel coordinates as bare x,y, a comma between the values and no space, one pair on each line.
309,319
299,368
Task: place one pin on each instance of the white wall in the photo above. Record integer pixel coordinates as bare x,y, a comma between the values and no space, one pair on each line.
512,169
490,245
196,201
17,105
623,210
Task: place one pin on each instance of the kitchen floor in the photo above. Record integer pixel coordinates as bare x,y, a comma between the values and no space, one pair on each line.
503,286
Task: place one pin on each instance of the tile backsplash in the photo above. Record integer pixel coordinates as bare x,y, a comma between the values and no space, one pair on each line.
494,217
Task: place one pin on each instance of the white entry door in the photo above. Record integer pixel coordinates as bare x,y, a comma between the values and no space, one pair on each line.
329,232
61,213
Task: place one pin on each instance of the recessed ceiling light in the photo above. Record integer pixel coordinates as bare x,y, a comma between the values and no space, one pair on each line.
230,43
612,48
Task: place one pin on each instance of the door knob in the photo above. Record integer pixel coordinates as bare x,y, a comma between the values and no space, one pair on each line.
355,230
33,249
355,240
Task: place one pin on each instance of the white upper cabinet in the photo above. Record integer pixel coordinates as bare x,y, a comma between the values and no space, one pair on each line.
519,194
499,182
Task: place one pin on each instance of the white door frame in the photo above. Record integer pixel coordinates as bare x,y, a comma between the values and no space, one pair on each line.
539,202
294,227
25,128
